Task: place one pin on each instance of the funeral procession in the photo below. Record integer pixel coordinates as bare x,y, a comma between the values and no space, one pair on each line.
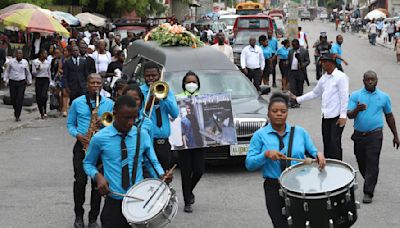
199,113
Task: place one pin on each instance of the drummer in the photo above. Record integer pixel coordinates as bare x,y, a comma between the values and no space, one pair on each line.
269,148
114,144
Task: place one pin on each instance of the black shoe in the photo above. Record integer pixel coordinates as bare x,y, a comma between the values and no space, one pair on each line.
367,199
17,119
93,225
188,208
192,200
274,85
79,222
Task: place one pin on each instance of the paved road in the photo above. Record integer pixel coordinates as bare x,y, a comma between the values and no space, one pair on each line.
36,164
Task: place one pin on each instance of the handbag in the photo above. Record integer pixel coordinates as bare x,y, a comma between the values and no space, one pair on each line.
54,103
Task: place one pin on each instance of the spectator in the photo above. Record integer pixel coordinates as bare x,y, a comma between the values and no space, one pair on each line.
56,76
102,58
391,31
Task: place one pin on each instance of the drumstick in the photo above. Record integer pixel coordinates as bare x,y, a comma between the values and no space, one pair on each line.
169,172
124,195
305,161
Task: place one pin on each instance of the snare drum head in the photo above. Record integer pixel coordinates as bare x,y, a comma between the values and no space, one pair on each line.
133,209
308,179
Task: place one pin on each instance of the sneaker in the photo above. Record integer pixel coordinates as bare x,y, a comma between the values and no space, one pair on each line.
79,222
192,200
274,85
64,114
188,208
367,199
17,119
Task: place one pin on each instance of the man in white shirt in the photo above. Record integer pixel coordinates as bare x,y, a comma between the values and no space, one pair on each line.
252,62
303,38
222,47
333,88
372,32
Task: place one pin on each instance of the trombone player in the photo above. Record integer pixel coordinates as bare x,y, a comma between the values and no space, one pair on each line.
78,124
159,112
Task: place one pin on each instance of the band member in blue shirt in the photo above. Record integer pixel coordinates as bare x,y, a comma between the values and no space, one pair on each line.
283,56
115,145
78,125
367,107
273,44
268,54
162,111
269,145
337,50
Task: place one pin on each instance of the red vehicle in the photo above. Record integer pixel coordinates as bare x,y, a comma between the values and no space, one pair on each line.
261,23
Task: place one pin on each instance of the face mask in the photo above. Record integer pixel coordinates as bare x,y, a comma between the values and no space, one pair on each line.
191,87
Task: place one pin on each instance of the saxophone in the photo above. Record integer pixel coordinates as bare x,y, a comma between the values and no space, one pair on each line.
93,122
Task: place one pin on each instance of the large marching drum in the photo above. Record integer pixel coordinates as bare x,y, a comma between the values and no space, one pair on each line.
317,198
158,208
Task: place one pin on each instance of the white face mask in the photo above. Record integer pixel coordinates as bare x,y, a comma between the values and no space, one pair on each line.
191,87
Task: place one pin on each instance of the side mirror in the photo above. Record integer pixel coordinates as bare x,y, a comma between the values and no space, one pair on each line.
264,90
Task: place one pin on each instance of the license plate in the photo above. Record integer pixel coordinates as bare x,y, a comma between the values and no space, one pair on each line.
238,150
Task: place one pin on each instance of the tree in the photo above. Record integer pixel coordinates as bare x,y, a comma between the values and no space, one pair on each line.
41,3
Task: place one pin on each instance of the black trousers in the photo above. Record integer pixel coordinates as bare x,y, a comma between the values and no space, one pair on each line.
192,167
367,150
111,215
275,203
267,71
80,187
296,80
332,138
163,152
254,75
41,90
17,93
273,70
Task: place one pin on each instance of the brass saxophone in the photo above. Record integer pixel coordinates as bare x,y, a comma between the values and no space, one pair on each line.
93,122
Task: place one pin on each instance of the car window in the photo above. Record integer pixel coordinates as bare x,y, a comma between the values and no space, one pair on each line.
216,81
253,23
228,21
243,37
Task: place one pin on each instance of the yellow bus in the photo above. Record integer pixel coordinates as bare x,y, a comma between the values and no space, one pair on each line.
249,8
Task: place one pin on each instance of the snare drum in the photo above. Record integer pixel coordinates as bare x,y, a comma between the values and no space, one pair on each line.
319,198
158,209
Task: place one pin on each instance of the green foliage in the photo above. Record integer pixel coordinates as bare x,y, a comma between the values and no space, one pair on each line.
41,3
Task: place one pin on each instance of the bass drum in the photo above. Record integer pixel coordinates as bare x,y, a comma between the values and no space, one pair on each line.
158,208
317,198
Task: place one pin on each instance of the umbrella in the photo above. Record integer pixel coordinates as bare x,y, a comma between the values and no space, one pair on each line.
88,18
19,6
375,14
67,17
33,20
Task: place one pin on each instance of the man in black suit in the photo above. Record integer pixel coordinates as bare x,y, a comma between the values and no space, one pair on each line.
90,64
298,61
75,72
38,43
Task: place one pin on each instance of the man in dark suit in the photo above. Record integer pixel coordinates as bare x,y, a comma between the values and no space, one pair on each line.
75,72
90,64
298,61
38,43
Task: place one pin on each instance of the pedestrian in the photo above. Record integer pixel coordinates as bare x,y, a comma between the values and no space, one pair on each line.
367,107
101,57
192,158
75,74
302,37
385,34
17,76
337,50
372,32
298,61
282,55
322,46
391,31
41,70
89,61
379,27
127,40
397,45
67,52
78,124
119,141
267,52
222,47
252,62
270,145
333,88
56,77
273,44
117,44
161,113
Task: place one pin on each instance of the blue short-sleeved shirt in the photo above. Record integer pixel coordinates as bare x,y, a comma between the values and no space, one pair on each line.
273,44
283,53
337,49
378,103
266,139
267,51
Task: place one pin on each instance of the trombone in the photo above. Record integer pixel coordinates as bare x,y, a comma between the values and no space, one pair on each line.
159,90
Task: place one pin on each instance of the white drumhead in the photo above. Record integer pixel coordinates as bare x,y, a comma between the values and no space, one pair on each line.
133,209
308,179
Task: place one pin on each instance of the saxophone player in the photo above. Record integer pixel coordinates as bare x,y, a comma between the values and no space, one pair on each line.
79,126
